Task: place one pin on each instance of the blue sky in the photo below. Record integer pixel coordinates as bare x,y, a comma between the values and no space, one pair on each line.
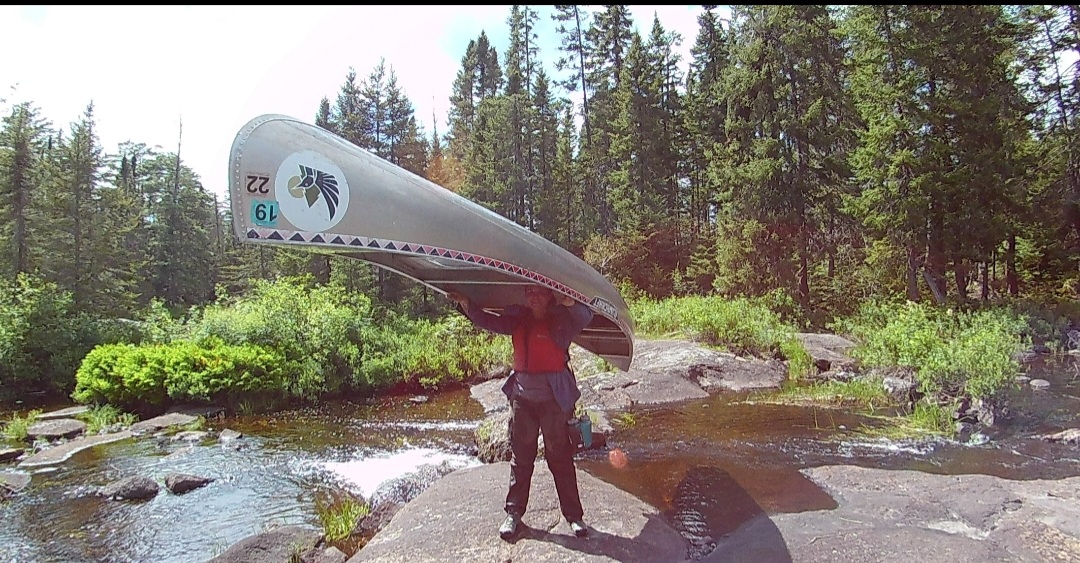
216,67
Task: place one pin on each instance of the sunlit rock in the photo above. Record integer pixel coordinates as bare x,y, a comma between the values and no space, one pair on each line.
55,429
229,434
12,482
190,436
457,518
162,422
1070,436
64,413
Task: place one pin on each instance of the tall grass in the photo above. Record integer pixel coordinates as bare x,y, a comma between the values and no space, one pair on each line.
340,518
105,416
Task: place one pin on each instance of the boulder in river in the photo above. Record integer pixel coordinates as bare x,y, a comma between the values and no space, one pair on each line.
137,487
180,483
285,544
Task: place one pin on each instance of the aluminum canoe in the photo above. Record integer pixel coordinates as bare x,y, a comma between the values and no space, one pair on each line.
292,183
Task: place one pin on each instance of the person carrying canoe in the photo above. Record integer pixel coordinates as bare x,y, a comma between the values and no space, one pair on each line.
542,391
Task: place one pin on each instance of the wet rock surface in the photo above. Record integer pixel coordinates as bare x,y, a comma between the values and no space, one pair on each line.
12,482
57,429
180,483
136,487
10,454
1070,436
62,452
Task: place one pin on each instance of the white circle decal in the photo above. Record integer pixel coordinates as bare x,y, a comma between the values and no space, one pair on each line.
312,191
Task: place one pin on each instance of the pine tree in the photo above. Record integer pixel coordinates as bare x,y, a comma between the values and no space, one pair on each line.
23,140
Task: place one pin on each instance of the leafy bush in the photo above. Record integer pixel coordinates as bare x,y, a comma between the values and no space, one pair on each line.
317,330
156,375
951,352
428,353
742,326
41,339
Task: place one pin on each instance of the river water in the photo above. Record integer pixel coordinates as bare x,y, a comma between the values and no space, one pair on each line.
716,448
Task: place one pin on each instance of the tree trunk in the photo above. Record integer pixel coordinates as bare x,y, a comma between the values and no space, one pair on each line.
1011,279
985,281
804,267
935,259
935,289
912,274
960,272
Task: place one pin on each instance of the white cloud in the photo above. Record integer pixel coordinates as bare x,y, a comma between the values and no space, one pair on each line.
216,67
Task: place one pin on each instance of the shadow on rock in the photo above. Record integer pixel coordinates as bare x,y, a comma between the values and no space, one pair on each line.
722,521
608,547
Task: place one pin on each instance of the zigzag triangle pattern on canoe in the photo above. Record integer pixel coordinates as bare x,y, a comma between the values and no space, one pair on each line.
301,237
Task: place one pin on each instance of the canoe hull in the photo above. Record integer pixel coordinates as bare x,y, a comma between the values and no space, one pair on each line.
294,184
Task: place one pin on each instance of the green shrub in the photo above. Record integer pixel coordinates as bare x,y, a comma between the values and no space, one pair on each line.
317,330
428,353
42,339
951,352
130,376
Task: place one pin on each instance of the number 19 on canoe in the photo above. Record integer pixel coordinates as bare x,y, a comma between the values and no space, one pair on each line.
264,212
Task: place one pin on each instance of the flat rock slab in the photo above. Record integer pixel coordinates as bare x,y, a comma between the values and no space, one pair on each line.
457,519
885,515
161,422
64,413
55,429
490,396
13,482
62,452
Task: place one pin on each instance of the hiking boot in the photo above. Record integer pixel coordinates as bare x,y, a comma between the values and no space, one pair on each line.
509,526
579,529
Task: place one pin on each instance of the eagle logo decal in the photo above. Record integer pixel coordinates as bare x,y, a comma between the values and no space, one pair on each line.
312,184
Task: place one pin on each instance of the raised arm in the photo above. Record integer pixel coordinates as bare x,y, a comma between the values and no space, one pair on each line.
501,324
570,320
